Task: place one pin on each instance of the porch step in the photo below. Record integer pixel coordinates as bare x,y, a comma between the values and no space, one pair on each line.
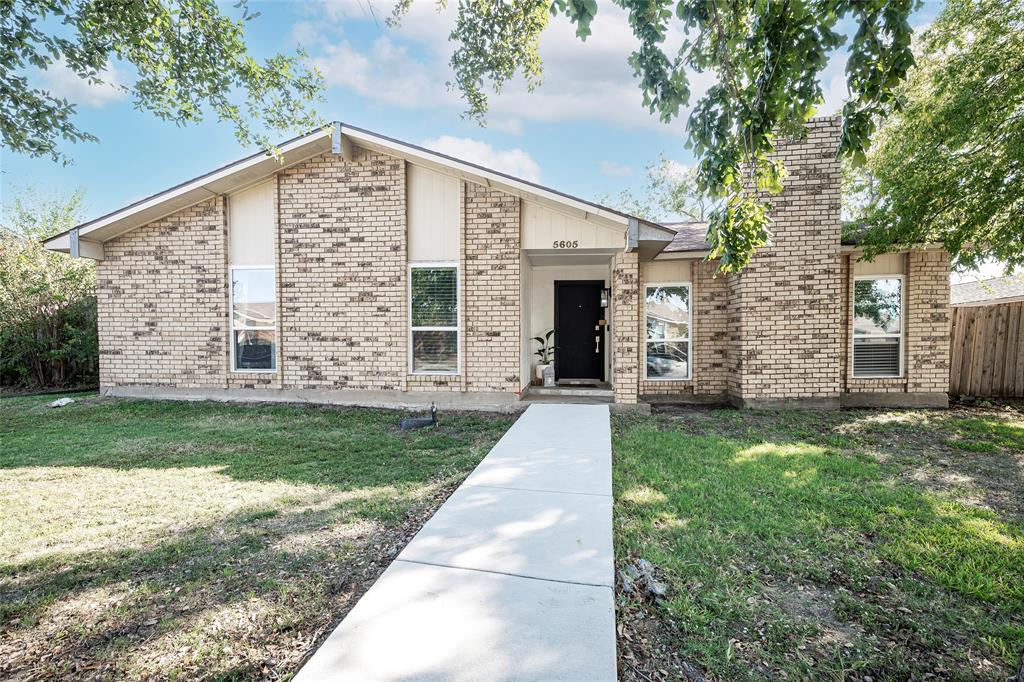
572,391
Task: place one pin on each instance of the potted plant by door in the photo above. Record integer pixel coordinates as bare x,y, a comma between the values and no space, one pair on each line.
545,354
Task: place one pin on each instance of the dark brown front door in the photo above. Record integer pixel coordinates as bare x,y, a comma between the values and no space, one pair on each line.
579,336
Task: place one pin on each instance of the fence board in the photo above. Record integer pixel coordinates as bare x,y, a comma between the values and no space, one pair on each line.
987,351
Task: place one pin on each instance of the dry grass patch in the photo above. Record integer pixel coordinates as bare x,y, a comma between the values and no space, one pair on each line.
823,545
205,541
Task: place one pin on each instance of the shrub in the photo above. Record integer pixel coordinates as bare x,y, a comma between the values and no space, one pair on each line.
47,300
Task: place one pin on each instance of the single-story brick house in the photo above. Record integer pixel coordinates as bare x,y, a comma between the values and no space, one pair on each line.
366,270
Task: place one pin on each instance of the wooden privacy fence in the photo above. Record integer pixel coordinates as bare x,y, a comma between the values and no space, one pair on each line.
986,357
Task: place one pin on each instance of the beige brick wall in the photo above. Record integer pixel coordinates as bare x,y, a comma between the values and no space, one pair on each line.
925,333
708,337
627,318
343,273
342,287
788,298
491,262
928,322
162,308
781,329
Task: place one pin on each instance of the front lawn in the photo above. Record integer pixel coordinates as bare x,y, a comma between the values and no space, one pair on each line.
202,540
837,545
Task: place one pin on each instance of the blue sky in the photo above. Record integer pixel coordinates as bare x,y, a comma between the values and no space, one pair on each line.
584,131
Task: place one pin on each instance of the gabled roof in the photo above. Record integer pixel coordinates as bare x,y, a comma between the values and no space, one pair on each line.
338,138
988,291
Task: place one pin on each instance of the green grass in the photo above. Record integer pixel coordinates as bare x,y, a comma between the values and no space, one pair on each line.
202,540
824,545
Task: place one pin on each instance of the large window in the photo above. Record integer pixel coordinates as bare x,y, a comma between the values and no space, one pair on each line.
667,311
878,326
435,318
253,319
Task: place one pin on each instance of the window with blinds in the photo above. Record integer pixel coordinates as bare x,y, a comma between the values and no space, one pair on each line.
878,327
434,307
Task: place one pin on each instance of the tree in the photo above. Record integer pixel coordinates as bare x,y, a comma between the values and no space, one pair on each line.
950,166
47,300
670,191
765,54
860,193
190,59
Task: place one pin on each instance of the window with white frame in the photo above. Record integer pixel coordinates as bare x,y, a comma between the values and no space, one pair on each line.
253,319
878,326
434,308
667,313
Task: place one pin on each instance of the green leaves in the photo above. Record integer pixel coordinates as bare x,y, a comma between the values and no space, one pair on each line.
949,167
765,57
190,62
47,300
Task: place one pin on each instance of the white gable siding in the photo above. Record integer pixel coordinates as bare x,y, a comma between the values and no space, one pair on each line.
433,215
251,225
542,227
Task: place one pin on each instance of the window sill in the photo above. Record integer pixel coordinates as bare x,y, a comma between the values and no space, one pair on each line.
433,374
884,378
253,371
667,379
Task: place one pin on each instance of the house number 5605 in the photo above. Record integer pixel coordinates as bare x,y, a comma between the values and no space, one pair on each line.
563,244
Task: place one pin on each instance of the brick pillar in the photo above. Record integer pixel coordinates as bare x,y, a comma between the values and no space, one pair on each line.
785,341
626,312
928,320
491,267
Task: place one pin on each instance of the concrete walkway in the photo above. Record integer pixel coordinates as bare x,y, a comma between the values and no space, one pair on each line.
512,578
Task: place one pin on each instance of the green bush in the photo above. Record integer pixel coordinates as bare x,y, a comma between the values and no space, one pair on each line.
47,300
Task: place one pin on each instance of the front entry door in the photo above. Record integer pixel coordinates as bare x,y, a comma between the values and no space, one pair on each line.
579,334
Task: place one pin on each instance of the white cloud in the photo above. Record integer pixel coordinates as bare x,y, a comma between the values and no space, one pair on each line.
615,170
387,73
61,81
408,67
673,170
512,126
512,161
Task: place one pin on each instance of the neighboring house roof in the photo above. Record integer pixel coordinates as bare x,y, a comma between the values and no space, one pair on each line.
988,291
338,138
690,236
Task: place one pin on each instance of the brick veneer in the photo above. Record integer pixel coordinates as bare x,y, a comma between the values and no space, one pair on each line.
627,318
160,293
779,331
928,321
788,298
491,265
709,337
925,333
343,273
342,283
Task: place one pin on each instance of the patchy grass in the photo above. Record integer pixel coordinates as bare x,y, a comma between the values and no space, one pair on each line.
825,545
199,540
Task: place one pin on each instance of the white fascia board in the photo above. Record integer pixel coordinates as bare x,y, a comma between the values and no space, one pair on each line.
195,191
86,247
854,248
480,175
682,255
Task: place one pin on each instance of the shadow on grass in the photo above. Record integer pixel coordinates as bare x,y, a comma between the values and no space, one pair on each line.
344,448
786,555
127,562
977,453
181,605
